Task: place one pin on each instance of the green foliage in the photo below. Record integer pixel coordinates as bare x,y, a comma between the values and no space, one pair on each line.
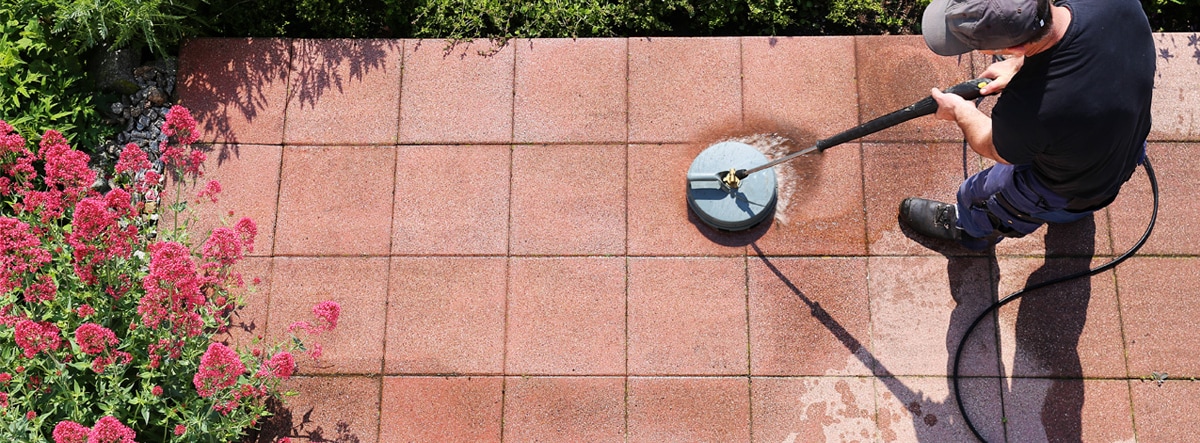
1173,15
156,24
44,83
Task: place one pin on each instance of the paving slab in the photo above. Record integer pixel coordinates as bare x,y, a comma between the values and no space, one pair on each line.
451,200
335,200
689,409
896,71
236,88
359,285
1163,412
344,91
568,200
809,316
813,409
441,409
248,176
446,315
1174,165
330,409
588,409
1041,409
1070,330
566,316
687,316
1174,109
570,90
1158,315
456,92
920,310
681,88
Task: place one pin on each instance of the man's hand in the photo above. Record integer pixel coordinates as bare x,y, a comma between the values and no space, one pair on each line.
949,105
1001,73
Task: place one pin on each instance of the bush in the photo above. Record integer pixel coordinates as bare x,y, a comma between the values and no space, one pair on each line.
107,325
44,84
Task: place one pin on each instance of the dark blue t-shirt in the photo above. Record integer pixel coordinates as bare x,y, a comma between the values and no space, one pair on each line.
1079,113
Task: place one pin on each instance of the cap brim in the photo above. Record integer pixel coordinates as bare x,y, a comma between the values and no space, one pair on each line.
937,36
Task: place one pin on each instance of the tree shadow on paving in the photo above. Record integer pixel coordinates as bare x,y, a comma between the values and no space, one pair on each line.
283,424
243,79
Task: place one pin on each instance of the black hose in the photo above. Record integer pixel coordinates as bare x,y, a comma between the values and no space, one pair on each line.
995,306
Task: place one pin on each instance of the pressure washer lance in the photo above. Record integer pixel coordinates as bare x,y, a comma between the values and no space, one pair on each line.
969,90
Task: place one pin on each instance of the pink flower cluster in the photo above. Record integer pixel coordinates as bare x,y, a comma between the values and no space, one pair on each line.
173,290
106,430
134,161
16,161
67,178
21,253
220,368
97,234
34,337
180,129
97,340
327,313
281,365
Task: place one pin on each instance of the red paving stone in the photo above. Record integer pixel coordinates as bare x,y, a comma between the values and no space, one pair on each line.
566,316
344,92
236,89
588,409
445,315
441,209
809,316
460,93
1070,330
688,409
680,88
509,238
570,90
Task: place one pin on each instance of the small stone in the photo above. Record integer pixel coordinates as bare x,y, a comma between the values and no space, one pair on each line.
156,96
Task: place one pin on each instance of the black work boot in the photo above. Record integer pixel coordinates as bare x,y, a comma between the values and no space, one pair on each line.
931,218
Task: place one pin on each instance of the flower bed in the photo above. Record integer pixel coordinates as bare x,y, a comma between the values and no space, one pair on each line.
107,321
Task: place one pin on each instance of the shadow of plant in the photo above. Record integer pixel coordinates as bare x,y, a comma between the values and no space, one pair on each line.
221,80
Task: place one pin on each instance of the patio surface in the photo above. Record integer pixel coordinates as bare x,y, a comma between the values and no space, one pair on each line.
507,233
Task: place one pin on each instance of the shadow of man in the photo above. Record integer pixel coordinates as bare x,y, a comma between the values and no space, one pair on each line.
1043,395
1045,389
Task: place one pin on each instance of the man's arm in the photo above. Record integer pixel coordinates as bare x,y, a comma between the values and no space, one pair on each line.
975,125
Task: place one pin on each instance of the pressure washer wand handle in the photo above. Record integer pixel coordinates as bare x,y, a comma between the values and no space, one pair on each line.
969,90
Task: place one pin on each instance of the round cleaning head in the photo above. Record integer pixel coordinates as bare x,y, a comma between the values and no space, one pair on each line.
730,205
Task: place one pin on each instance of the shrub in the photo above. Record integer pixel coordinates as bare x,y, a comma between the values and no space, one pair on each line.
107,325
44,84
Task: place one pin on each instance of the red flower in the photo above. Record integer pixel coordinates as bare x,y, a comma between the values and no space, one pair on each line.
110,430
328,312
44,290
93,338
97,234
246,230
173,289
70,432
180,126
34,337
66,168
180,429
220,368
223,246
85,311
210,190
156,391
21,253
281,365
132,160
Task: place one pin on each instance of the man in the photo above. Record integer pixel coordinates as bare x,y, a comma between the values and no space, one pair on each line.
1068,129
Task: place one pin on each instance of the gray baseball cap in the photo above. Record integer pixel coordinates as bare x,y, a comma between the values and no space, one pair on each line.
953,27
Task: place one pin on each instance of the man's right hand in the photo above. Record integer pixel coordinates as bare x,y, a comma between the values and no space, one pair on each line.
1001,73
